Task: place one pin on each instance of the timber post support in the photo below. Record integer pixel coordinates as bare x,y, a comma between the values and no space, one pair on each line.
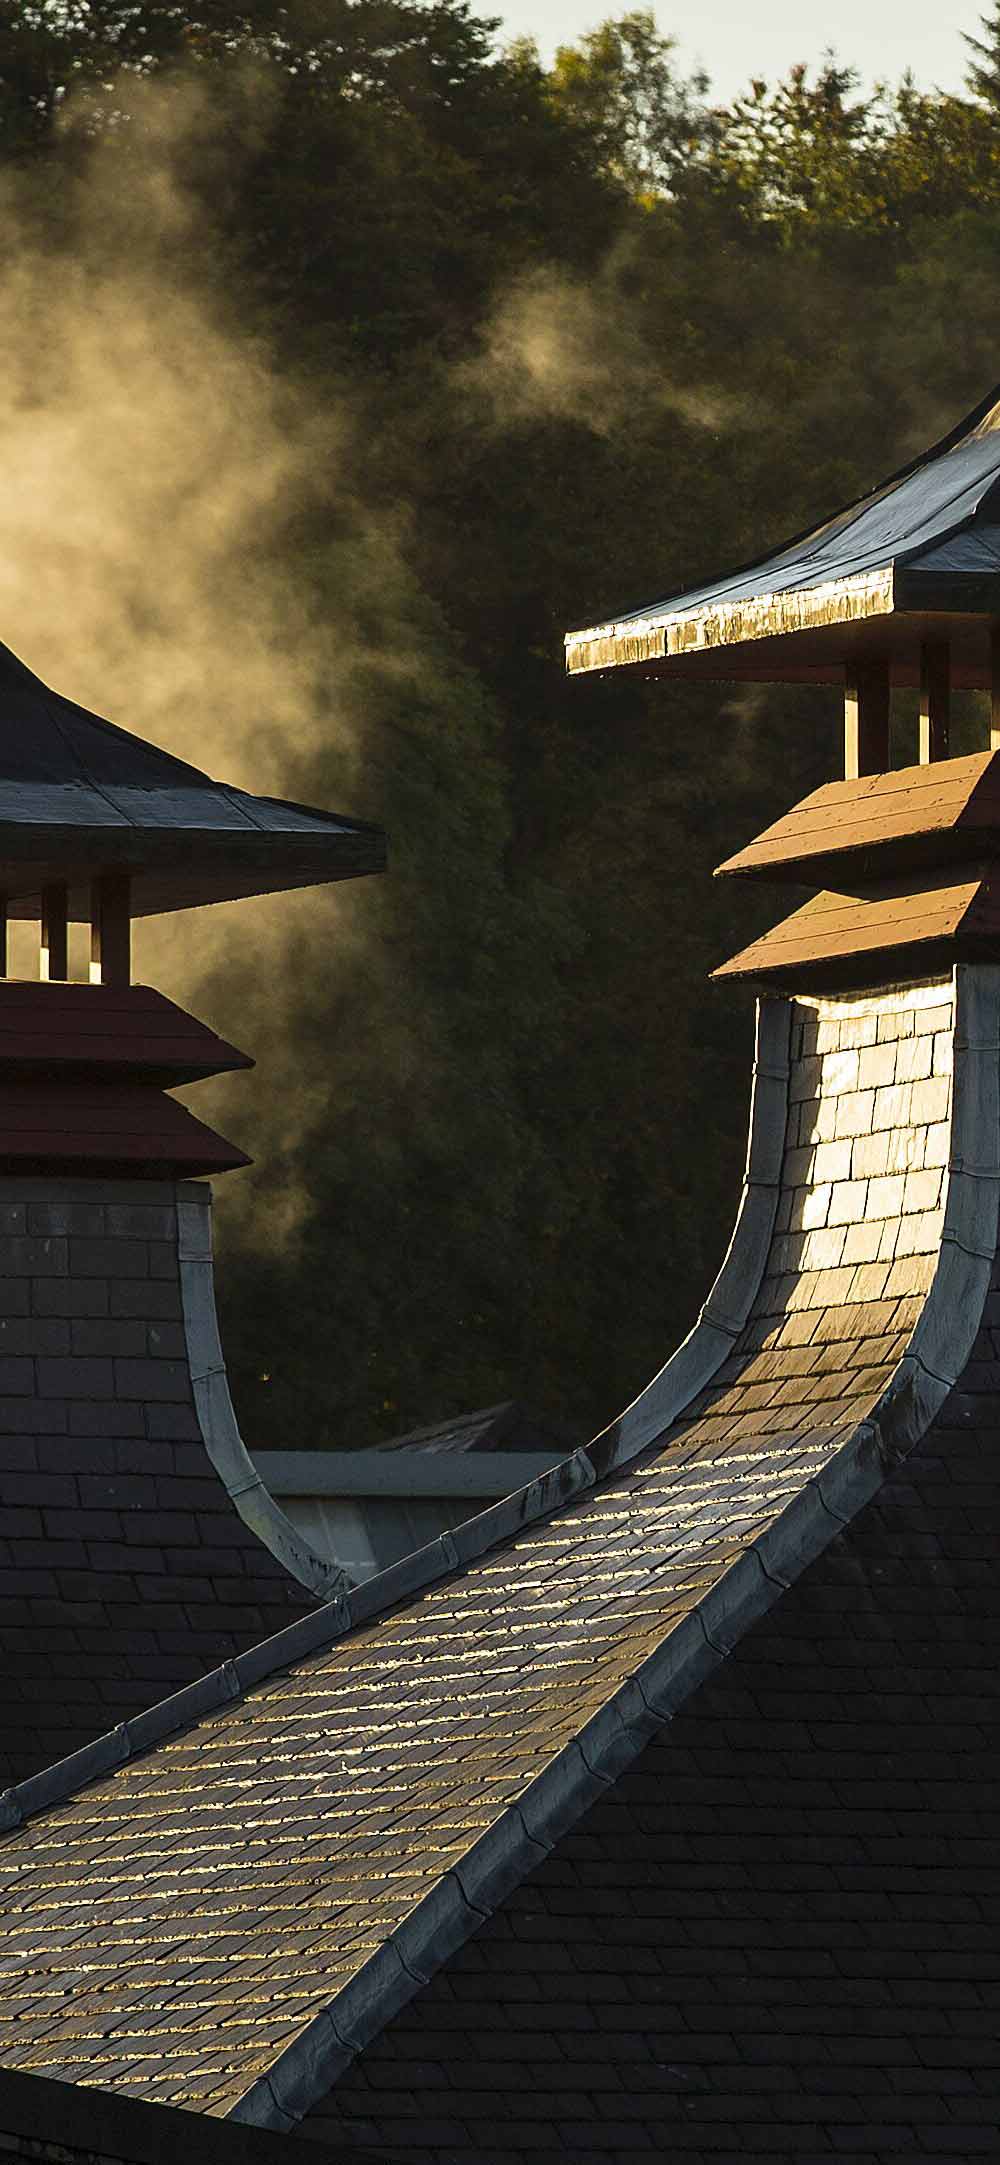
935,700
111,929
54,959
866,718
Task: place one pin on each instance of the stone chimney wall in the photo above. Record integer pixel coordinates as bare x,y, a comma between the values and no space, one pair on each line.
128,1568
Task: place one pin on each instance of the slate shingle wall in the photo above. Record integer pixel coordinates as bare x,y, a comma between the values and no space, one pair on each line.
125,1571
779,1934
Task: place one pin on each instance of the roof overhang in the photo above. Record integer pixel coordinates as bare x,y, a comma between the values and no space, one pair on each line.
807,634
176,868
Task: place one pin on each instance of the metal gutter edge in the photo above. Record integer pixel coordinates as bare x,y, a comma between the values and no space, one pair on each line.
724,1313
717,624
214,1407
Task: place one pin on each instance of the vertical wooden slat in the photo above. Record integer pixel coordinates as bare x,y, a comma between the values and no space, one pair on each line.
866,718
4,939
995,689
111,929
55,932
935,700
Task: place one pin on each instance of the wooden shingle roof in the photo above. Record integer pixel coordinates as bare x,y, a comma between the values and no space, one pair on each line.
945,812
889,928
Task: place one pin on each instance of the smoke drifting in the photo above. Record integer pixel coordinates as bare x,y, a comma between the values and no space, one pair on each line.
558,347
157,469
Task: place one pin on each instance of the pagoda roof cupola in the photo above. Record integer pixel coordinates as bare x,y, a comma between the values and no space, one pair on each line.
870,583
902,587
98,827
81,800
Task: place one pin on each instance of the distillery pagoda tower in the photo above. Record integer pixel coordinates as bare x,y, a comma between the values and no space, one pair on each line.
139,1542
900,589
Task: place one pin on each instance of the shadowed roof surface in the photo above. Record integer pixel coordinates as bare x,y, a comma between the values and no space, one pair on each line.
247,1891
927,539
108,801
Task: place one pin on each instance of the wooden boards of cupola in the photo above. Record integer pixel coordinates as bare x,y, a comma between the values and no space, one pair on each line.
885,930
909,864
910,818
85,1072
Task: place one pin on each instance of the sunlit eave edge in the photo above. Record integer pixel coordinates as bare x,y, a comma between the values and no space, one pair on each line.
661,636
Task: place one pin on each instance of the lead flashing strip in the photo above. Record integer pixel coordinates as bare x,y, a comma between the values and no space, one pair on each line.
226,1449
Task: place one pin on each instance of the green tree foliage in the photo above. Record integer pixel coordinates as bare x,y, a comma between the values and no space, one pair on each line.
593,338
983,72
620,85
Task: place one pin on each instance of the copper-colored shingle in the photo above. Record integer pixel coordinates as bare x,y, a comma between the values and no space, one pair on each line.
843,939
947,812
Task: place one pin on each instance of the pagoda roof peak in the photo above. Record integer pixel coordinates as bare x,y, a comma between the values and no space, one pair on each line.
81,798
873,578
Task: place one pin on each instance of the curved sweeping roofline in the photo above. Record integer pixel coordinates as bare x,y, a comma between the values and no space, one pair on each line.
385,1772
922,542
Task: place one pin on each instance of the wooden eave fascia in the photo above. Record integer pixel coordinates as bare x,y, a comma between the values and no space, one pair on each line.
663,635
896,592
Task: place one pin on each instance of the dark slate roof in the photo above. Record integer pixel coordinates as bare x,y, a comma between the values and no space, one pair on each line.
40,2119
226,1898
926,540
107,801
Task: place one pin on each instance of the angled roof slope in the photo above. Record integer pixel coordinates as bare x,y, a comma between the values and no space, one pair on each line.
224,1920
927,539
107,801
946,812
879,929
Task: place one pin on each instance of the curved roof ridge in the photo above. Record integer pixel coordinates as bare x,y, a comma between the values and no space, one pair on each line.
380,1793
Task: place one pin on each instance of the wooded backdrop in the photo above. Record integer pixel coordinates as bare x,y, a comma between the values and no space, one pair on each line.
586,337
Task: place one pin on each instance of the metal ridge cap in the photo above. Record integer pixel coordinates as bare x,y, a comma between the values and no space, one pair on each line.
376,1474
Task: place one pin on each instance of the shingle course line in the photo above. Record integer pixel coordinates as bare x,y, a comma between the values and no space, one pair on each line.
642,1656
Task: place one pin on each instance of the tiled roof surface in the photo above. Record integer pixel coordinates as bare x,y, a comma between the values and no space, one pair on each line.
171,1930
126,1570
775,1936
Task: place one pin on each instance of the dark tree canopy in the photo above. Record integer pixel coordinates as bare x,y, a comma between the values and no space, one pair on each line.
590,336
